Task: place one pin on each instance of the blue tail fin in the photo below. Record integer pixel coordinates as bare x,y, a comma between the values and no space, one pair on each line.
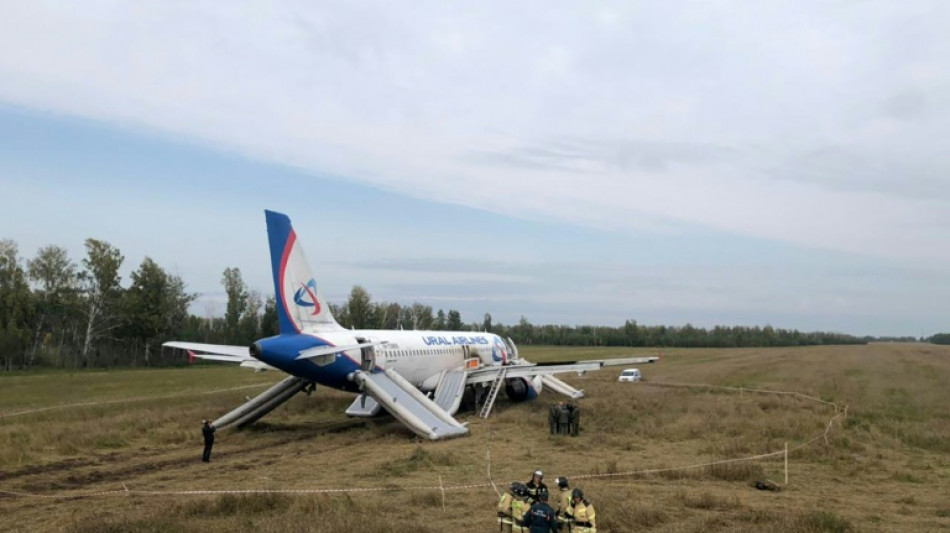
301,306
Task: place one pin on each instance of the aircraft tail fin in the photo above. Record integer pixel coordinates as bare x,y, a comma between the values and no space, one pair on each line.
301,305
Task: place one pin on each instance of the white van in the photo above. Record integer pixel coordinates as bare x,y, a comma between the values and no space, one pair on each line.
630,374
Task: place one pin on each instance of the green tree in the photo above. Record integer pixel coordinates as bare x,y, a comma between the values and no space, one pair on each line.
156,304
439,320
57,303
16,307
270,325
101,292
940,338
236,290
421,316
406,319
250,324
454,321
387,315
359,309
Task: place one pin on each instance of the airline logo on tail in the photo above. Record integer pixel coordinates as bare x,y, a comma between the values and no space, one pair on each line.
499,353
306,296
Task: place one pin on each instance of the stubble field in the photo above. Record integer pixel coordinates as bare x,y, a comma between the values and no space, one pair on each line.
884,466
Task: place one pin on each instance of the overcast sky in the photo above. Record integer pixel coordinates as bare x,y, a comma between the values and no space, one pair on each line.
783,163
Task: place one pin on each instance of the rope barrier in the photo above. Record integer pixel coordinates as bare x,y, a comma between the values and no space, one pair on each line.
124,400
491,438
491,484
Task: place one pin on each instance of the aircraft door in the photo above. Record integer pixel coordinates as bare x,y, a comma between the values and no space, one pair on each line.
367,356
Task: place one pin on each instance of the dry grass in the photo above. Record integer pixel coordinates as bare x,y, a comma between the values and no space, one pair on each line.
877,472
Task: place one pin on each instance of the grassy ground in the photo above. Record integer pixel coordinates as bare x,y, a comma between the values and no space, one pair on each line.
886,467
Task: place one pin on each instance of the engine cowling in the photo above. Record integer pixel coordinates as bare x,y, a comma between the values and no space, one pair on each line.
519,390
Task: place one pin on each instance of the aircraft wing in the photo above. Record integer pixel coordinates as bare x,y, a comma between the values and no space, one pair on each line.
483,375
525,369
322,351
622,361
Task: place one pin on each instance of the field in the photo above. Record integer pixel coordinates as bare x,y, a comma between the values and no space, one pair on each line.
883,465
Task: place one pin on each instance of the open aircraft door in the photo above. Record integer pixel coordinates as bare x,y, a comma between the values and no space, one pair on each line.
367,355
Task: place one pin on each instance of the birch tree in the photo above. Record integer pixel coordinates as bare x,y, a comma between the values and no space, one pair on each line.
99,282
15,307
55,275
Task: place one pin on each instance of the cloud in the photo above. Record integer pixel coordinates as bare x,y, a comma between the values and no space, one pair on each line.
815,124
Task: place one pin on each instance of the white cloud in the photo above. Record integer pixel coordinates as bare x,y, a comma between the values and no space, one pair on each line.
810,123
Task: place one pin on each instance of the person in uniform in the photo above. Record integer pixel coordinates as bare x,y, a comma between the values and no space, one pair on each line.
535,485
583,518
563,499
207,431
540,517
511,508
519,506
563,420
552,418
575,415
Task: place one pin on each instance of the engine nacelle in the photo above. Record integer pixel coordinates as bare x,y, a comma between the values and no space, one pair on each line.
522,389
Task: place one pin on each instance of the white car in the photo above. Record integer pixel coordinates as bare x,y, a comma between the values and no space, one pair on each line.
630,374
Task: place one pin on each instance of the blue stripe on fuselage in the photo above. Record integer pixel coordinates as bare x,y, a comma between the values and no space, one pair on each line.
282,351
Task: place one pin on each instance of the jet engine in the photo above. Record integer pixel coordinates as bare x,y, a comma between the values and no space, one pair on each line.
517,390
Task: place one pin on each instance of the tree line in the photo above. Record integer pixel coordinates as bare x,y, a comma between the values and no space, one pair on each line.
56,312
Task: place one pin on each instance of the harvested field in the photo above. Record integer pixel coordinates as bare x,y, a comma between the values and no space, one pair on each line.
883,467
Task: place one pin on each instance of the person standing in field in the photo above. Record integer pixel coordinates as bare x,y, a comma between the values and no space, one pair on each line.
535,486
575,416
207,430
563,420
563,500
552,418
581,514
540,517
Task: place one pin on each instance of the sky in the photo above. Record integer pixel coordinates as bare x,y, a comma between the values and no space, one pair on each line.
735,163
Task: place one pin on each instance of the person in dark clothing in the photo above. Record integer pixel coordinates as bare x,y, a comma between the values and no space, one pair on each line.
540,517
207,430
563,420
552,418
536,486
575,418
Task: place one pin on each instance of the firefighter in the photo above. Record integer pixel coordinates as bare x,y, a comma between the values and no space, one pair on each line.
583,518
563,499
519,506
511,508
536,485
540,517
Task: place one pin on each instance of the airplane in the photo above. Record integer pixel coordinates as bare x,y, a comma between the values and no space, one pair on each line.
419,377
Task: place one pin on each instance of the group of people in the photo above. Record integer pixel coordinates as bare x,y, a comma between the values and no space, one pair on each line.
525,508
564,419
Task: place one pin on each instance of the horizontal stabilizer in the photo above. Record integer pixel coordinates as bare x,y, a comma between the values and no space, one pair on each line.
239,353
